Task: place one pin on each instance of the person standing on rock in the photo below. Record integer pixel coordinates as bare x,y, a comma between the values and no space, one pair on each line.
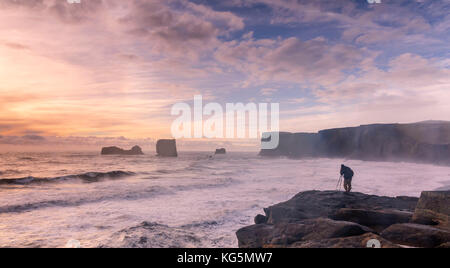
348,176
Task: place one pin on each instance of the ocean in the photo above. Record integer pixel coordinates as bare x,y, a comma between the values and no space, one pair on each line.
195,200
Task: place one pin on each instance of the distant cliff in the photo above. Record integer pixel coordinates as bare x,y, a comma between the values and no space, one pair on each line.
423,142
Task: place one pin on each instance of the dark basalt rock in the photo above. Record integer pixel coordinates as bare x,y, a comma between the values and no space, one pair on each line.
445,245
360,241
167,148
284,234
337,219
136,150
433,209
221,151
416,235
375,219
314,204
260,219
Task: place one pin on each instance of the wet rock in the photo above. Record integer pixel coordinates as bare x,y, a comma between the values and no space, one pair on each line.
284,234
314,204
260,219
445,245
433,208
360,241
255,236
416,235
376,219
136,150
167,148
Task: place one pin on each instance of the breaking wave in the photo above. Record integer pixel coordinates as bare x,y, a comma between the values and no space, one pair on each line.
85,177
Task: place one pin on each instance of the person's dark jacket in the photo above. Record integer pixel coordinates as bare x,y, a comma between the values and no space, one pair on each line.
347,172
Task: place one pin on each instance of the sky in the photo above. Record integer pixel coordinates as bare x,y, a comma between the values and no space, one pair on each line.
112,68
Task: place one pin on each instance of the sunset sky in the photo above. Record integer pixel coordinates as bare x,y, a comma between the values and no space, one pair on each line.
111,68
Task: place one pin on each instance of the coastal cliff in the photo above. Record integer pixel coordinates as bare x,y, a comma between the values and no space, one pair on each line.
419,142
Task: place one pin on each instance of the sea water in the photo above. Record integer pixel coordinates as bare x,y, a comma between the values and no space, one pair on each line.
52,199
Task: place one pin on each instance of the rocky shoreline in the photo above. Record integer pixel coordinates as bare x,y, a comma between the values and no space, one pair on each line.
332,219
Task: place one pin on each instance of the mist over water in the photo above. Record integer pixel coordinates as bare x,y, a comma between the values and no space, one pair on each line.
48,199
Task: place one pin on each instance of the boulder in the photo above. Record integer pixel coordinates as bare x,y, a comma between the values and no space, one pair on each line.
416,235
136,150
284,234
255,236
167,148
221,151
375,219
315,204
445,245
360,241
259,219
433,208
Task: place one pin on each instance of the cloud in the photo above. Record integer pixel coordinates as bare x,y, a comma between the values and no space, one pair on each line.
16,46
412,89
268,91
405,21
114,68
194,29
63,10
293,60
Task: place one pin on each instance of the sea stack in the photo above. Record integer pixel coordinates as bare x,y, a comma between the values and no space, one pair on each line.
221,151
166,148
136,150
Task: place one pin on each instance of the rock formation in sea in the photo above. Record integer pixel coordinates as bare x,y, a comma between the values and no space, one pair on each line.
221,151
136,150
419,142
331,219
167,148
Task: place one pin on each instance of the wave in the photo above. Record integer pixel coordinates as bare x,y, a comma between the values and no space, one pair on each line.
85,177
154,235
78,201
26,158
144,193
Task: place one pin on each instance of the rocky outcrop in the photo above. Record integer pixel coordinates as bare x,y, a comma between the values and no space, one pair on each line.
433,209
166,148
315,204
136,150
419,142
288,233
360,241
221,151
416,235
337,219
375,219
